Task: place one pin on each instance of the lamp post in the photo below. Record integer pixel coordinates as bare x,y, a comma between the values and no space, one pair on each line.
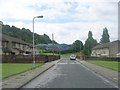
53,42
80,49
1,24
33,41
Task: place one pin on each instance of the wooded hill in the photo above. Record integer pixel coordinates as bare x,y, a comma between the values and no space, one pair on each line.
25,35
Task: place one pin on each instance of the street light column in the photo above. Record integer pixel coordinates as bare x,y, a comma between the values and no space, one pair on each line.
33,45
53,42
34,42
80,49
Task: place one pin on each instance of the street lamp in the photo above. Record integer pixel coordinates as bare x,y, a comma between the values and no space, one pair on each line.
80,49
53,42
33,41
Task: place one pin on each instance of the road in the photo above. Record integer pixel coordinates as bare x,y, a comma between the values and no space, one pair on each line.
69,74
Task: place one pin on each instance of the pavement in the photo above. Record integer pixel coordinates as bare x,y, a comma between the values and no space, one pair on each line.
22,79
107,73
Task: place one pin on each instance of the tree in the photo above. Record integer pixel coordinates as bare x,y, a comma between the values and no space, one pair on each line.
25,35
77,46
89,44
105,36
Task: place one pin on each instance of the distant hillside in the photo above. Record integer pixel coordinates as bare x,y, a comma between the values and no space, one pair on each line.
25,35
61,47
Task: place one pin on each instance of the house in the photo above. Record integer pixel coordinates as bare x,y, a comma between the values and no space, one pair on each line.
111,49
11,45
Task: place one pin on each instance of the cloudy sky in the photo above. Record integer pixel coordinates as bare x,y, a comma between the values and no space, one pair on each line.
69,20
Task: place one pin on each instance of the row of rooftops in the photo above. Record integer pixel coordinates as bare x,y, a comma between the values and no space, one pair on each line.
106,45
6,38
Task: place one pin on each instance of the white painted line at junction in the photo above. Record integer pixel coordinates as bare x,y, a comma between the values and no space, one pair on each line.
62,63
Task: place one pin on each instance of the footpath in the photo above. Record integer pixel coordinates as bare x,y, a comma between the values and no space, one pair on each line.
22,79
107,73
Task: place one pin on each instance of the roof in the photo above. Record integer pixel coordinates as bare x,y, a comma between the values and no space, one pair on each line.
105,45
12,39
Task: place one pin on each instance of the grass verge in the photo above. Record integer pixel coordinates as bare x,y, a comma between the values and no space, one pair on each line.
107,64
49,54
0,71
68,55
10,69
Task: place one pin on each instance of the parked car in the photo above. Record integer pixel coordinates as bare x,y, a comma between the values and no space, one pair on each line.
73,57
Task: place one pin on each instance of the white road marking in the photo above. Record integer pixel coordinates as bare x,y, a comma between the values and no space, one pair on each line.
72,63
75,62
62,63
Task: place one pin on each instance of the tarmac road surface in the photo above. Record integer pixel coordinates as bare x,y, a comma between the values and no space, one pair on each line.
69,74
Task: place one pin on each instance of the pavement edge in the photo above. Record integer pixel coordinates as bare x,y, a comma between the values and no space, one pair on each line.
37,75
97,72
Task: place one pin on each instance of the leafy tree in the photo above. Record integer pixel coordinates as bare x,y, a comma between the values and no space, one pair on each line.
105,36
25,35
77,46
89,44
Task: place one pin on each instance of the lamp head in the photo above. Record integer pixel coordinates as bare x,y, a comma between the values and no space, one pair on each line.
39,17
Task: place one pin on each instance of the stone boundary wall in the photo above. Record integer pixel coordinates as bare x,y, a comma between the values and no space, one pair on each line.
28,58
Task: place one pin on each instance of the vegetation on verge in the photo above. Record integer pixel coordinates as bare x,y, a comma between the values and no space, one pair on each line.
48,54
9,69
0,71
107,64
66,55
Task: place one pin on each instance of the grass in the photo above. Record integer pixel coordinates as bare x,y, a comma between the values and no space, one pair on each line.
107,64
66,55
0,71
48,54
14,69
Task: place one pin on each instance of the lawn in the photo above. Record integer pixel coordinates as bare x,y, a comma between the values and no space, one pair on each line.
107,64
14,69
48,54
0,70
67,55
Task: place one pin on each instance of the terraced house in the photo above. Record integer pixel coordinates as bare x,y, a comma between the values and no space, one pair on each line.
11,45
111,49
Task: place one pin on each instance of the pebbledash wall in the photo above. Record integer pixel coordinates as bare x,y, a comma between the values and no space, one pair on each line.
28,58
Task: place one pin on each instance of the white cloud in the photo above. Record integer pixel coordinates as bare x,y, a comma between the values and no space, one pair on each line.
91,15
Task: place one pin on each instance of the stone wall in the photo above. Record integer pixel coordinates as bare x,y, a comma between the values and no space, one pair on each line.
28,58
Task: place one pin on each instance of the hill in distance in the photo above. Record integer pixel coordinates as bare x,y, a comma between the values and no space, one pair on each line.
60,47
26,35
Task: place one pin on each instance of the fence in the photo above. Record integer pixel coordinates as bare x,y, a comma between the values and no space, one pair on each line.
27,58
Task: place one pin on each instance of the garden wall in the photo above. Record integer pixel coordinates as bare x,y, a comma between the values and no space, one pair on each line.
28,58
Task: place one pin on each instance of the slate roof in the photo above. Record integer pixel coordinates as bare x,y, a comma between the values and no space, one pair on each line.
12,39
105,45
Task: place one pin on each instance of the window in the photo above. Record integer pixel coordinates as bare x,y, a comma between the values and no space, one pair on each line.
4,44
13,45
